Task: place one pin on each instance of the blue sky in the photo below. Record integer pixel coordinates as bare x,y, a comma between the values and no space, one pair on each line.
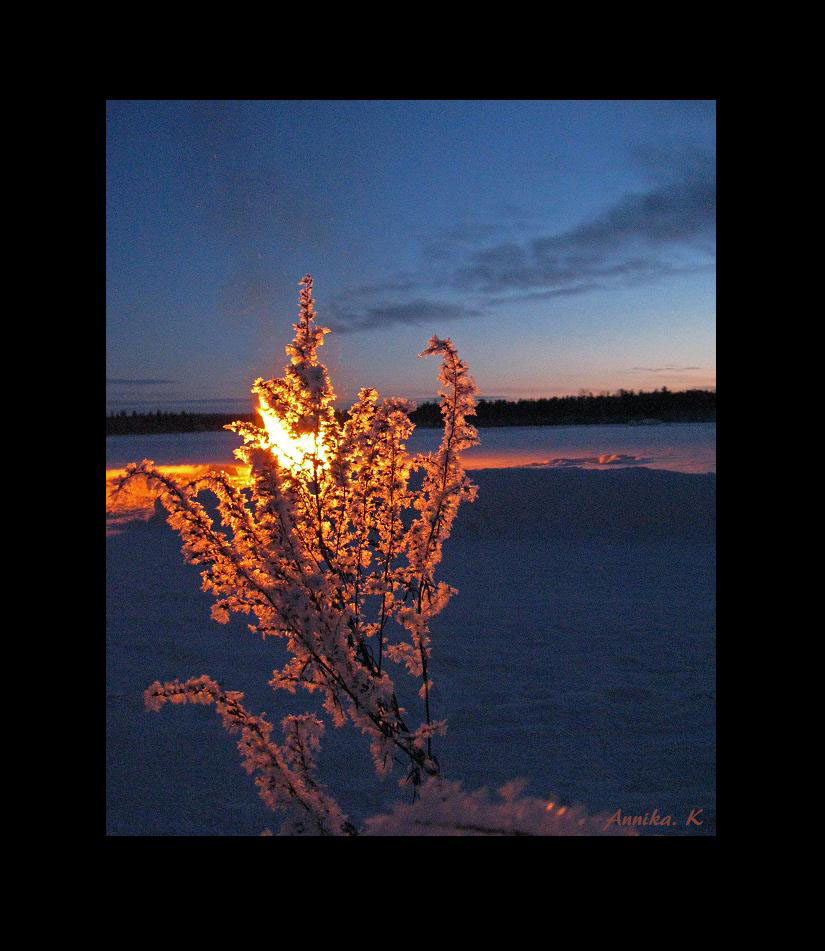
563,245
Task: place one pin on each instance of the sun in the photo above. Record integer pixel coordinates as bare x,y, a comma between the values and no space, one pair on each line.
295,453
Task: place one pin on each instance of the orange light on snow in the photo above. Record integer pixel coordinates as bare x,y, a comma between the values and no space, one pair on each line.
293,452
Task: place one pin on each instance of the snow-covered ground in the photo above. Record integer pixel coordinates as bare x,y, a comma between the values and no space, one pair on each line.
579,653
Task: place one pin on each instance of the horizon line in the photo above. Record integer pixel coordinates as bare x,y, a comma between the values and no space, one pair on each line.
580,394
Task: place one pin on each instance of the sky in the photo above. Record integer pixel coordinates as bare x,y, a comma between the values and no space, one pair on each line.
563,245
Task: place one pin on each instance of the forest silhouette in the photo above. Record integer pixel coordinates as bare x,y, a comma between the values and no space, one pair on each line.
625,406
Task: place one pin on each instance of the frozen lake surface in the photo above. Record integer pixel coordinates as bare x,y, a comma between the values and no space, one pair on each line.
579,653
679,447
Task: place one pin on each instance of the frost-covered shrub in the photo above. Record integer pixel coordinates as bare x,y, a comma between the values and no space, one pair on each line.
316,550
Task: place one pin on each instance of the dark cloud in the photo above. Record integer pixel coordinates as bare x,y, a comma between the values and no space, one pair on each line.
668,166
468,233
125,382
546,295
645,236
628,240
631,272
667,369
382,315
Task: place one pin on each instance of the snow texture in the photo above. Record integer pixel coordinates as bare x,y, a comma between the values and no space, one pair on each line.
578,654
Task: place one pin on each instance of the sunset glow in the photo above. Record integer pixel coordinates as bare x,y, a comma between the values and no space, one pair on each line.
570,244
293,452
416,399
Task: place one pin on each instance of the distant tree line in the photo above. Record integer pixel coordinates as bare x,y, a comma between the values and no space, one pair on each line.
127,424
626,406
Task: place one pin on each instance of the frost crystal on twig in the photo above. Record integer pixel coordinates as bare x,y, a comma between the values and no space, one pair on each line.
315,551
